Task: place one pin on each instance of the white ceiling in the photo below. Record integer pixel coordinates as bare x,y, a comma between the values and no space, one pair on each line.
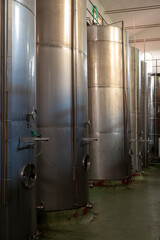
133,18
137,18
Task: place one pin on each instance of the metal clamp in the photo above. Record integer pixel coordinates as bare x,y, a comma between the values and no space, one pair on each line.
89,140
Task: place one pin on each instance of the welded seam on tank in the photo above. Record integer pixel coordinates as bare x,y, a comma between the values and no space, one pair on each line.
111,87
25,7
104,132
55,127
59,46
105,40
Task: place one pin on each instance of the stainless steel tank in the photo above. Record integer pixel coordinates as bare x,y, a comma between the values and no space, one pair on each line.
62,103
143,113
135,103
108,95
153,117
18,101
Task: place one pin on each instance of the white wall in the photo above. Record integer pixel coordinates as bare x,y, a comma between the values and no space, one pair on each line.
100,9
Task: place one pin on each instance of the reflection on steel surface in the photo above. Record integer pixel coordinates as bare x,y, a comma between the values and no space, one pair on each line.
62,103
18,83
106,103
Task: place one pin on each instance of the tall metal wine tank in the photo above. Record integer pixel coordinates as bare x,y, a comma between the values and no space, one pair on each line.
18,100
135,102
143,112
62,103
108,104
154,117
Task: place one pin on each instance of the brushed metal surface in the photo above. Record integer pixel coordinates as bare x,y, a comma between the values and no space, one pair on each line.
106,118
62,182
153,115
54,93
19,89
107,157
106,109
105,64
60,32
55,169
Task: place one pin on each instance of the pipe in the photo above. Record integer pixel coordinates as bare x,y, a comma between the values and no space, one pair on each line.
142,26
125,107
74,95
136,9
4,109
155,110
136,107
152,60
146,40
145,106
103,20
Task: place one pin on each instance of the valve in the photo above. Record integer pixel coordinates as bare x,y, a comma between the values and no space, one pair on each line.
31,115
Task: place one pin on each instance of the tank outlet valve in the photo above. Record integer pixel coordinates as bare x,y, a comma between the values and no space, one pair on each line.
41,207
88,124
31,115
89,140
35,236
89,205
148,152
130,152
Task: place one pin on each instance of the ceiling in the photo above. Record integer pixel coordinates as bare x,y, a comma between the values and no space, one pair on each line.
134,18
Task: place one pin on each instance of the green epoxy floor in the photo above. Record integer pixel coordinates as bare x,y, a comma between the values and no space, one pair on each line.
120,213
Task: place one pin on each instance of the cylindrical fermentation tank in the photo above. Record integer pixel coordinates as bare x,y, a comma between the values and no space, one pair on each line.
108,108
18,90
143,110
62,103
135,103
154,117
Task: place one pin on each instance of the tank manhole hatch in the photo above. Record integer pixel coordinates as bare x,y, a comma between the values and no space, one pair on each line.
28,175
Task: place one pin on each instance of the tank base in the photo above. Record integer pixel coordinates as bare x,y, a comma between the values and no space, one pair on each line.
54,220
110,183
